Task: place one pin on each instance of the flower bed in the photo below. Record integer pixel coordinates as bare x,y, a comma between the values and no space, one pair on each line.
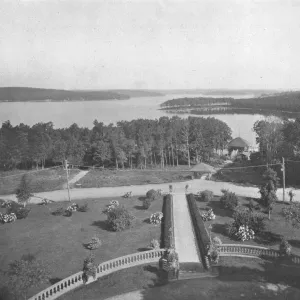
8,218
156,218
209,215
245,233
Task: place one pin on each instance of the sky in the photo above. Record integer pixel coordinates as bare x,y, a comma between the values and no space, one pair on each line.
162,44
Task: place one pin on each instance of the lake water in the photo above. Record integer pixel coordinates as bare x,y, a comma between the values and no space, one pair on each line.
63,114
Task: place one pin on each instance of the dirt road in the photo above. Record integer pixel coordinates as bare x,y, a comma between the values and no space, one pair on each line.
196,185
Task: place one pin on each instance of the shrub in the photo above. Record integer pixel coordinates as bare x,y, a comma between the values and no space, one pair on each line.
147,203
119,219
20,211
244,218
209,215
217,241
206,196
285,249
23,193
244,233
154,244
229,199
89,268
73,207
59,211
214,255
254,220
94,244
152,195
83,208
156,218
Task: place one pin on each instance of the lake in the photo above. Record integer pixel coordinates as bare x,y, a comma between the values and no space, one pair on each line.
63,114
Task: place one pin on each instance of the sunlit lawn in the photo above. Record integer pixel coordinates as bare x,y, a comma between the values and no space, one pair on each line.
102,178
58,240
41,181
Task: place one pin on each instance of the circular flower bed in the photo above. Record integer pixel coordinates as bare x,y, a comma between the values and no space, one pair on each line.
8,218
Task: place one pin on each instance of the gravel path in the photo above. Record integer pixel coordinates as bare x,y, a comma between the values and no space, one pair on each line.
196,185
76,178
185,239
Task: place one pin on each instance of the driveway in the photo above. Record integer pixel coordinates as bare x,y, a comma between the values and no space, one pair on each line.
196,185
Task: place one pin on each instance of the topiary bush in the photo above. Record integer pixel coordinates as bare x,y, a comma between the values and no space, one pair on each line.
285,249
152,195
206,196
119,219
147,203
89,268
154,244
229,200
217,241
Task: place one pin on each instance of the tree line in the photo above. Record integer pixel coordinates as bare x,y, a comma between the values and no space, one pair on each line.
135,144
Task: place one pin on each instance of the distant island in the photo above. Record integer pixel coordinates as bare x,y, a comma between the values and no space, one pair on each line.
26,94
281,104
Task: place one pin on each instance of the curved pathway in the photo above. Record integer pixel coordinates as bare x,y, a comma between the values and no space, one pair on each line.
196,185
185,238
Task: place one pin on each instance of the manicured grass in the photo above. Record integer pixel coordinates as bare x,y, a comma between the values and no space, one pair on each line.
58,240
276,228
106,178
239,278
42,181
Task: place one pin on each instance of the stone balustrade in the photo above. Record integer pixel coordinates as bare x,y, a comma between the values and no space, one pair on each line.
105,268
251,251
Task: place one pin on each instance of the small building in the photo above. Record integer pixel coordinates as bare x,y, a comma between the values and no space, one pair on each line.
201,169
238,146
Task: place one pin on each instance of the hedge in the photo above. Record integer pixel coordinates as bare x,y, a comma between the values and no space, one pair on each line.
201,233
167,238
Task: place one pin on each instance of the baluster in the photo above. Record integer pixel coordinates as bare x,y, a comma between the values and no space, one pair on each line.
58,288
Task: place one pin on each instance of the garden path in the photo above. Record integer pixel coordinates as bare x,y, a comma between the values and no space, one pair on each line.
185,238
76,178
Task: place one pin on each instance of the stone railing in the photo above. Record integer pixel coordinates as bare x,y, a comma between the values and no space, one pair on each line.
252,251
105,268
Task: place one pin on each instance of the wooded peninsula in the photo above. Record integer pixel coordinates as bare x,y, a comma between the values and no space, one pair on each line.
285,103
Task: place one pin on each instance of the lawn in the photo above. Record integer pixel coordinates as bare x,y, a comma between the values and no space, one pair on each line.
276,228
110,178
58,240
239,278
244,176
42,181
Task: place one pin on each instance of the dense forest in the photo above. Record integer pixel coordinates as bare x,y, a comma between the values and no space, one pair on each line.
139,143
21,94
286,101
277,139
